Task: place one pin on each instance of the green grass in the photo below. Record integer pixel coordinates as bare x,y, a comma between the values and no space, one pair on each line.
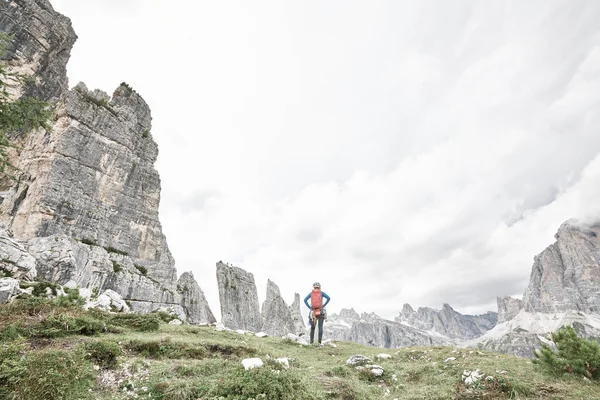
188,363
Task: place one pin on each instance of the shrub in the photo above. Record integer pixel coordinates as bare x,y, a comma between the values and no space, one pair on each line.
117,267
65,324
111,249
138,322
50,375
39,288
143,270
573,355
72,299
103,353
261,383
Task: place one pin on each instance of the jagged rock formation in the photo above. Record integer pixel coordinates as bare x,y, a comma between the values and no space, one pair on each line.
43,40
566,275
370,329
447,321
297,314
238,298
193,300
562,290
87,195
15,261
508,308
276,313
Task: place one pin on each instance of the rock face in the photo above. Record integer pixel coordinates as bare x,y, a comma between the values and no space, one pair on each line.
239,298
447,322
566,275
562,290
297,314
370,329
194,301
92,178
84,208
276,314
42,45
508,308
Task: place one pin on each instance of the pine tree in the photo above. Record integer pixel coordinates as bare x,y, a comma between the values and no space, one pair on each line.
573,355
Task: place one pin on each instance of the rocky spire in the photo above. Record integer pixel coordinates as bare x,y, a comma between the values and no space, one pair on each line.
238,298
297,314
508,307
278,319
193,300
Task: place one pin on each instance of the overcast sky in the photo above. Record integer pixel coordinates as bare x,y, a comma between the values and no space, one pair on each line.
396,151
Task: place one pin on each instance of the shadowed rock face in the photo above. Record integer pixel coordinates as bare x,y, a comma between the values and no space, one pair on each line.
447,322
194,301
566,275
276,313
239,298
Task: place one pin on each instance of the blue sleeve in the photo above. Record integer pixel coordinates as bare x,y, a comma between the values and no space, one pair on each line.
306,300
326,296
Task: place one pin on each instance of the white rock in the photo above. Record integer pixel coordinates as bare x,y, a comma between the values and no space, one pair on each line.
383,356
358,359
250,363
9,287
470,377
283,361
260,334
175,322
240,331
450,359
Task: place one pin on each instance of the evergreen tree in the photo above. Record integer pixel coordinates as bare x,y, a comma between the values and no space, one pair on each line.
573,355
16,116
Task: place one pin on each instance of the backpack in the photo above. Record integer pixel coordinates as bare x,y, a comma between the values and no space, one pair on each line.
316,300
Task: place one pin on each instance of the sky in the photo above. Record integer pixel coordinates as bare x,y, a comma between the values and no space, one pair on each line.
395,151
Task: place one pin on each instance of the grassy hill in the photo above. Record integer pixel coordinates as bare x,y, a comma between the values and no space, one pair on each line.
54,350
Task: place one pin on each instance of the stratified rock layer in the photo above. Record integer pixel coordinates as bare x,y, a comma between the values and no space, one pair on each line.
239,298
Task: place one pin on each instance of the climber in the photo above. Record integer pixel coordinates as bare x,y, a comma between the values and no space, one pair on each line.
317,311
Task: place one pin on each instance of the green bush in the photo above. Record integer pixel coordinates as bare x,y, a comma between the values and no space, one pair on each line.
51,375
261,383
138,322
39,288
573,355
72,299
105,354
143,270
65,324
167,349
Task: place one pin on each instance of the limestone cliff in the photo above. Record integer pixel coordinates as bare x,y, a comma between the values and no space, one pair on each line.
87,195
297,314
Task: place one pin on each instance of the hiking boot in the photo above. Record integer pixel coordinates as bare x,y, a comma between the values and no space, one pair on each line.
321,345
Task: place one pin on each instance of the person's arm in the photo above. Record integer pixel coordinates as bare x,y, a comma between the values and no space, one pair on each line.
327,297
306,300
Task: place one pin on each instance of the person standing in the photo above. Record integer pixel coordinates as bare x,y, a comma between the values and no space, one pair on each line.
317,312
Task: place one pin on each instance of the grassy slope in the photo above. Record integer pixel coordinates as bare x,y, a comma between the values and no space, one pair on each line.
187,363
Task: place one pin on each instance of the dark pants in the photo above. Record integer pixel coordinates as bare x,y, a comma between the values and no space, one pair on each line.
320,321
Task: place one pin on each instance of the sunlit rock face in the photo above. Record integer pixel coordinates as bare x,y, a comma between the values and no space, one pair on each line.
193,300
239,298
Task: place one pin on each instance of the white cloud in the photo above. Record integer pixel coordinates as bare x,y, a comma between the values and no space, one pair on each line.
395,151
